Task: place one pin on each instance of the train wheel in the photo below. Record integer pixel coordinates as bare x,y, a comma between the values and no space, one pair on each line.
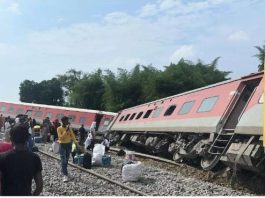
209,162
177,157
171,148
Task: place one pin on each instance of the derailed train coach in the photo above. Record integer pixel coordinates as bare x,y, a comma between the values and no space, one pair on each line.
76,116
220,122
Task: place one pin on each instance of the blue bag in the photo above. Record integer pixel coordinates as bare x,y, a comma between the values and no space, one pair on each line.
106,160
78,159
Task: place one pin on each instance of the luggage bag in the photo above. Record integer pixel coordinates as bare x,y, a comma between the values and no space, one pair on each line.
106,160
37,139
87,161
78,159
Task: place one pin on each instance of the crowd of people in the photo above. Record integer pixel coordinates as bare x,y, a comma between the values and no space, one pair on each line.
17,149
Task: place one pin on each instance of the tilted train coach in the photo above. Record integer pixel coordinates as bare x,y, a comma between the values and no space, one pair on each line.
220,122
76,116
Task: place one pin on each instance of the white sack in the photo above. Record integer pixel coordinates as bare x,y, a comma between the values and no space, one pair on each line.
132,172
97,159
55,147
99,149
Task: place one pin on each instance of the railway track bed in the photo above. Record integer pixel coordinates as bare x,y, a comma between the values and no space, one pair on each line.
155,181
82,184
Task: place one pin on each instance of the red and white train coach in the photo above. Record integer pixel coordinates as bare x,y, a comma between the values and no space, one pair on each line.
76,116
212,123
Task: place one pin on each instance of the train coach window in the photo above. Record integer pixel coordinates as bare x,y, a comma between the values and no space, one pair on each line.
121,118
170,110
186,107
127,116
106,122
82,120
207,104
71,118
147,114
59,116
261,100
11,109
133,115
157,112
29,113
2,109
139,115
19,111
38,114
49,115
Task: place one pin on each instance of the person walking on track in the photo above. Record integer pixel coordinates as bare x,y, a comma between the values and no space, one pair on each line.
65,138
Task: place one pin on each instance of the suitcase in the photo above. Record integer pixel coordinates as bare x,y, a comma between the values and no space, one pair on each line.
87,162
78,159
37,139
106,160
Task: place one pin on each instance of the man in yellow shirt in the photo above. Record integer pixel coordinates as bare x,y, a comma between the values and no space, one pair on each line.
65,138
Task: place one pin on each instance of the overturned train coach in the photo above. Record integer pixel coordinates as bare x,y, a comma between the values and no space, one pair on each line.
76,116
218,123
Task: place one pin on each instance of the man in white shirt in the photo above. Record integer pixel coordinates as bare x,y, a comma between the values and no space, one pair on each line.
7,127
93,133
88,142
17,120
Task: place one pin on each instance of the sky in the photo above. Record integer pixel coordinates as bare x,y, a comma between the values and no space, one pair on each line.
40,39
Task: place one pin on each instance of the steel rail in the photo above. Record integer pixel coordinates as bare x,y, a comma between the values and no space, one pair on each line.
151,157
98,175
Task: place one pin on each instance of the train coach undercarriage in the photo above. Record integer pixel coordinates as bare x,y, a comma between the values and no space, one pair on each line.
178,146
244,152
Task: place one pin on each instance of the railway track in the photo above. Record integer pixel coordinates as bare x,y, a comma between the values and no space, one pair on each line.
137,192
150,157
161,178
245,184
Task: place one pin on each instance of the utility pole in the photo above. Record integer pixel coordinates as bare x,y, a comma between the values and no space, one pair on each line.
263,104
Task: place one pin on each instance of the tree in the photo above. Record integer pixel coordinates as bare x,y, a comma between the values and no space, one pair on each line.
29,91
69,79
185,76
261,57
128,89
46,92
113,92
88,92
51,92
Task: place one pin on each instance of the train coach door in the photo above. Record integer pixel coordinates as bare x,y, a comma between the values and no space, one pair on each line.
234,111
98,120
247,92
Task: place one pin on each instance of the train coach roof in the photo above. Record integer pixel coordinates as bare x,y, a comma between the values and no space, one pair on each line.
62,108
252,75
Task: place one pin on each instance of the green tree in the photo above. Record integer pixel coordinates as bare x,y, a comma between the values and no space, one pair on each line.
88,92
261,57
51,92
46,92
110,98
69,80
113,92
128,89
29,91
117,90
185,76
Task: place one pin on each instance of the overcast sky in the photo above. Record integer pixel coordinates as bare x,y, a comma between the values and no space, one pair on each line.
42,38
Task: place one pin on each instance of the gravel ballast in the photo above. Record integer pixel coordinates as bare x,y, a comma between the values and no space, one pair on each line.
154,181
